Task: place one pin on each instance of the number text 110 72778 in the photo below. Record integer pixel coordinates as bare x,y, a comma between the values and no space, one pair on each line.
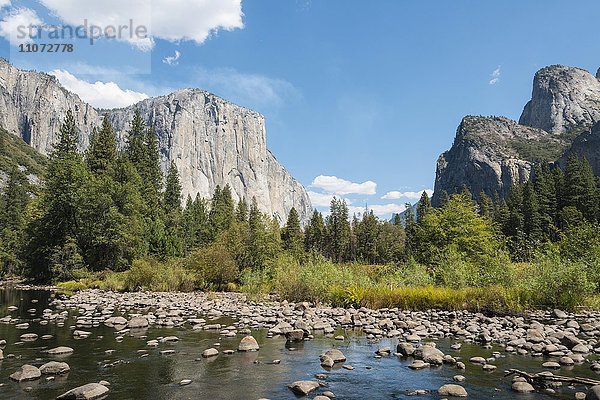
46,48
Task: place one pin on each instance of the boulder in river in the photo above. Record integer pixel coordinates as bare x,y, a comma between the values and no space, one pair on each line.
406,349
593,393
26,373
295,335
137,322
54,368
452,391
303,388
212,352
522,387
248,343
335,354
60,350
91,391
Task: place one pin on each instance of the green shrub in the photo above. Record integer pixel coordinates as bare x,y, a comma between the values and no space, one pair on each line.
553,282
214,266
150,274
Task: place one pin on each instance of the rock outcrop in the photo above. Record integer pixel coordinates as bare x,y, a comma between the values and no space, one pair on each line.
586,145
490,154
563,99
212,141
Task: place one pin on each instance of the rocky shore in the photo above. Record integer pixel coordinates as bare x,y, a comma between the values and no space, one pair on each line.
557,338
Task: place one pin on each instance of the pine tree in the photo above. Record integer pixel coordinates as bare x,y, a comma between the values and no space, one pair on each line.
241,211
410,229
68,137
423,207
172,212
338,230
221,210
13,202
486,205
172,194
314,234
102,152
292,235
367,233
547,200
532,225
55,215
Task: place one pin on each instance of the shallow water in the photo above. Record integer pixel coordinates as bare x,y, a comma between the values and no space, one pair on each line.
237,376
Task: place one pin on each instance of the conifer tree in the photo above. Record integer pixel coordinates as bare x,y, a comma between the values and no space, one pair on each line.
292,236
221,210
423,207
55,216
241,211
314,234
367,236
338,230
102,152
13,201
172,213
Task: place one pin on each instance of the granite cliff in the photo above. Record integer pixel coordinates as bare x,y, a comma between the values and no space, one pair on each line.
489,154
212,141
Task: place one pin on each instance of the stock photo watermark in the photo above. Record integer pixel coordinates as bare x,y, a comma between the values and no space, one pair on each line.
28,35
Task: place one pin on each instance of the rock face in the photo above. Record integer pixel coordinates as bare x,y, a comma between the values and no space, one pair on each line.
490,154
563,99
586,145
212,141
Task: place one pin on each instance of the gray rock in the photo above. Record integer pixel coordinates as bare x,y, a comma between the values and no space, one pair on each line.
483,156
295,335
61,350
137,322
212,141
90,391
54,368
210,353
327,361
452,390
26,373
522,387
563,98
248,343
303,387
593,393
406,349
335,354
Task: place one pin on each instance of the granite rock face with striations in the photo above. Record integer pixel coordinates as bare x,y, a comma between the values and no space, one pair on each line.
212,141
490,154
586,145
563,99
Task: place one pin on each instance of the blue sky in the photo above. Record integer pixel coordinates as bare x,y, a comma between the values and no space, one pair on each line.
360,98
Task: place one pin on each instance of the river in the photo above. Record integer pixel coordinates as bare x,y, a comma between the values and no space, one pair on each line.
136,371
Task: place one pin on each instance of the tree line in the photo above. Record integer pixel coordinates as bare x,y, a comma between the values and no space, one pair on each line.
105,208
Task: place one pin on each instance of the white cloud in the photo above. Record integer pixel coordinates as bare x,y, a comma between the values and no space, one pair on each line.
172,60
18,21
496,75
172,20
335,185
251,90
4,3
98,94
395,195
381,210
320,199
